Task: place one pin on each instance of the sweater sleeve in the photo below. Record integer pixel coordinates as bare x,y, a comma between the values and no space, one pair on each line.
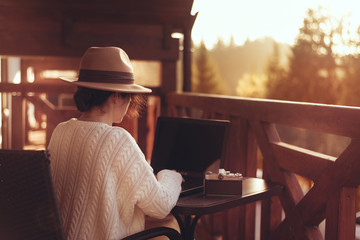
161,194
155,196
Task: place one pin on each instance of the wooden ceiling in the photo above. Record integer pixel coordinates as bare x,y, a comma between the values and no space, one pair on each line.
67,28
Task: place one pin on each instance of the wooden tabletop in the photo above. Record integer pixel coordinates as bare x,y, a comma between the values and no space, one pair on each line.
253,189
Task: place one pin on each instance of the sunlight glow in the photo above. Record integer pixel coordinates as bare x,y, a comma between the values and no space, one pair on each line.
30,74
54,74
279,19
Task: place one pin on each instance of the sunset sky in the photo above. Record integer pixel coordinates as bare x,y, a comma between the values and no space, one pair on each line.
280,19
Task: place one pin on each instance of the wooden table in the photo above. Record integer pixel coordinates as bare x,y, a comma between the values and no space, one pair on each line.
193,206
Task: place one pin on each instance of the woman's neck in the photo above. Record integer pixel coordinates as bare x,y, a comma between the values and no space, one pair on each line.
96,115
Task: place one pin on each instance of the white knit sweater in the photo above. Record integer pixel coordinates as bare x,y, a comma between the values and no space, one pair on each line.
103,183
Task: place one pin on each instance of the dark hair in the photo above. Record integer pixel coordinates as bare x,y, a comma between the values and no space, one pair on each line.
87,98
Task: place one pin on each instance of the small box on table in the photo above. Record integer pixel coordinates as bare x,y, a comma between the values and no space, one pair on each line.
223,183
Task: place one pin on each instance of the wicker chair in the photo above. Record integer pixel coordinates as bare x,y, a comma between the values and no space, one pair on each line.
28,208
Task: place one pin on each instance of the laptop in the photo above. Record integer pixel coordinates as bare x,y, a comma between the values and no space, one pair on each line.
190,146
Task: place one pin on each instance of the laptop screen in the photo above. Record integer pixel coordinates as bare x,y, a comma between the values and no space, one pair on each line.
189,145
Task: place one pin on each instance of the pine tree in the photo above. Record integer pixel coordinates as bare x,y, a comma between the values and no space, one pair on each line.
206,78
312,73
351,67
276,76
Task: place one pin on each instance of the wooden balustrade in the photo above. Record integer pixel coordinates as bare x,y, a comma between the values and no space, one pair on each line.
256,144
36,93
334,179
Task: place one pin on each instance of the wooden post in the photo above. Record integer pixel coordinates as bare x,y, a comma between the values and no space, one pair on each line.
18,122
340,218
5,108
187,61
168,82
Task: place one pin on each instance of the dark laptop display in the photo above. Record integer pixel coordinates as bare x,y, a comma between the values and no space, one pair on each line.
189,146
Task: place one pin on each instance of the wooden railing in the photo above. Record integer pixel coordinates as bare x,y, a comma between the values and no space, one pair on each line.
256,146
35,93
333,180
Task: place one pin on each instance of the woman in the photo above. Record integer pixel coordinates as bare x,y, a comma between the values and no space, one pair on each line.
103,183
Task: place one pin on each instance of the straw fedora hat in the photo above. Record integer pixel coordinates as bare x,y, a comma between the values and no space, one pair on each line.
107,68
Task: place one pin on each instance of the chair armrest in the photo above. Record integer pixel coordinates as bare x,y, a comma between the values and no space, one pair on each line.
155,232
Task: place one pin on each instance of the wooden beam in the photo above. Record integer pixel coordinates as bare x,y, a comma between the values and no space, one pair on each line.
51,63
332,119
340,220
17,122
38,87
5,107
51,86
141,11
38,28
311,210
168,84
22,43
301,161
187,58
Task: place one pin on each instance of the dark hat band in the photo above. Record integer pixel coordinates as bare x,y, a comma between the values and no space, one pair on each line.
105,76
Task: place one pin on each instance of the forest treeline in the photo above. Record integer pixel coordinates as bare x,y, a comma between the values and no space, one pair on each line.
323,65
233,63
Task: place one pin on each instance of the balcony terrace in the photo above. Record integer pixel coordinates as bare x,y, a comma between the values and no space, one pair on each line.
318,185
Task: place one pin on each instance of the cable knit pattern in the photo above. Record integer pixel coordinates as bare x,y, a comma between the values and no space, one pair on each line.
103,183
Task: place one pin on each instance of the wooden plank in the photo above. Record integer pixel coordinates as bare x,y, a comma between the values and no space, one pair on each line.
266,133
271,216
55,87
179,5
48,21
347,209
17,122
249,221
332,119
168,83
271,213
233,220
50,86
301,161
50,44
237,146
340,217
293,194
252,161
187,68
40,28
50,63
142,12
4,106
40,32
153,112
310,211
